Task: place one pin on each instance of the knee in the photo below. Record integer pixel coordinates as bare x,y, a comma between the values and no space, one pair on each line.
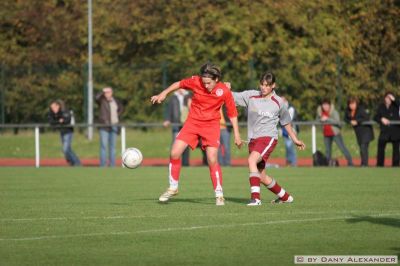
212,160
252,162
175,154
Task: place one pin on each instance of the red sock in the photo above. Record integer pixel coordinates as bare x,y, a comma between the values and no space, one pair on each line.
254,179
216,178
276,189
174,172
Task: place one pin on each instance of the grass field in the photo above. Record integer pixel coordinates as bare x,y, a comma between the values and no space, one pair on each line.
94,216
154,143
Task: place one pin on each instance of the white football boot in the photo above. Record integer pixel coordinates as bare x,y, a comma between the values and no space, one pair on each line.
220,201
254,202
167,195
279,201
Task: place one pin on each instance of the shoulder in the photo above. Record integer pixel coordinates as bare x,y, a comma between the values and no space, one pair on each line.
191,80
222,89
278,100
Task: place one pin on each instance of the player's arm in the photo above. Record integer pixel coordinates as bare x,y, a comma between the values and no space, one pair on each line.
161,97
232,114
241,98
236,134
300,144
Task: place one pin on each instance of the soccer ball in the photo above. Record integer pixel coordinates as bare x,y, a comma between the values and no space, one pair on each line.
132,158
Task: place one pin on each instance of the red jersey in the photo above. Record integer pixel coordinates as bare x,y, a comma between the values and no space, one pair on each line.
206,105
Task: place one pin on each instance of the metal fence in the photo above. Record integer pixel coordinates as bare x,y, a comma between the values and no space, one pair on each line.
124,126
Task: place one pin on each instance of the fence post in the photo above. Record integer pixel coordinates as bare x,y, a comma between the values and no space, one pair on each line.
37,147
123,141
313,138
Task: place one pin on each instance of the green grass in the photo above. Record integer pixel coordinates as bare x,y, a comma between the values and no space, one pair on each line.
95,216
154,143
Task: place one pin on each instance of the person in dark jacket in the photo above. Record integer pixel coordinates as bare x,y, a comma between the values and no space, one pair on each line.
60,117
356,115
388,112
109,113
176,114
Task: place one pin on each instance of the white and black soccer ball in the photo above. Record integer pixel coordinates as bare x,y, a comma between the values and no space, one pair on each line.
132,158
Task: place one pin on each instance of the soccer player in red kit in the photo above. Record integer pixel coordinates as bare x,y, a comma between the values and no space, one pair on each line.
209,94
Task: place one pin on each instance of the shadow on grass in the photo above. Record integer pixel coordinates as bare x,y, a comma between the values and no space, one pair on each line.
237,200
205,201
394,222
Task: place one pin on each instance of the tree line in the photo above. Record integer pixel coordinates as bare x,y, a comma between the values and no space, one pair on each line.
317,49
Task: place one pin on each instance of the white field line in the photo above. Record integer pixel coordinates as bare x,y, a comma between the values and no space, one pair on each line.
191,228
348,212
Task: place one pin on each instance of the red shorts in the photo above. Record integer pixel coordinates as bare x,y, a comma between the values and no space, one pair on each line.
208,133
264,146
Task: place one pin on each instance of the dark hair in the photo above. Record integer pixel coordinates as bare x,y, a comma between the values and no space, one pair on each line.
352,100
387,93
210,70
269,77
326,101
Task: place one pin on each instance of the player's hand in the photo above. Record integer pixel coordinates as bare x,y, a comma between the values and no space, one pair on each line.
238,141
158,98
353,123
300,145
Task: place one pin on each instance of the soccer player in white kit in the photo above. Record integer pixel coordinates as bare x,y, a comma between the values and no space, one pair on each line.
265,110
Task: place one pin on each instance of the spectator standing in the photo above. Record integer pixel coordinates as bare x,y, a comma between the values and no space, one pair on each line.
356,115
176,113
110,110
60,117
327,114
388,111
291,157
224,151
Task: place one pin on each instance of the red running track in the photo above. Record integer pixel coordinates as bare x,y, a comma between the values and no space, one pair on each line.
277,162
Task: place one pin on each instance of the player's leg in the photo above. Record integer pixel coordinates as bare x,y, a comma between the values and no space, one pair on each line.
254,178
175,162
174,170
274,187
215,173
210,136
259,149
186,136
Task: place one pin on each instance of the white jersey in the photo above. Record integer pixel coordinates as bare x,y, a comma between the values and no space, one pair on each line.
263,114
